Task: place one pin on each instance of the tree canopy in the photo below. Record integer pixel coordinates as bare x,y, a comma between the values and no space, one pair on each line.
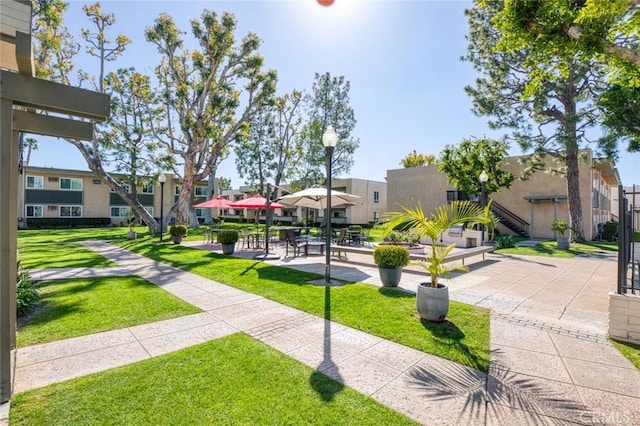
414,159
463,164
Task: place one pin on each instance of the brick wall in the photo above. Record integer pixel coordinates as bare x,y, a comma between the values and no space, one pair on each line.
624,317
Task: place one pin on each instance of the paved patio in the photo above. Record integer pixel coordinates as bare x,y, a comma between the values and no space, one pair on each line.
551,362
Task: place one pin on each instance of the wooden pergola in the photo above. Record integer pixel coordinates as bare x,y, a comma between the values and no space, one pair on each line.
28,105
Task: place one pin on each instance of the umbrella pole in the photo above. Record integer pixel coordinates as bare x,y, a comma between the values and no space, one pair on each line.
266,255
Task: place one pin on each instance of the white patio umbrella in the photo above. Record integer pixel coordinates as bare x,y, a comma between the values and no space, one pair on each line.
316,198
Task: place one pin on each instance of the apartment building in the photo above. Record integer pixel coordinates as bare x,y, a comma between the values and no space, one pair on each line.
529,206
47,192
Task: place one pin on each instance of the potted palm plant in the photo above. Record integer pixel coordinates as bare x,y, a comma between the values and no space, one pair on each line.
561,227
177,232
228,239
432,298
390,260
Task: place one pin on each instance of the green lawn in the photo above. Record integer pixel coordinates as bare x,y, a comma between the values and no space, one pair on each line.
629,350
387,313
384,312
548,248
71,308
231,381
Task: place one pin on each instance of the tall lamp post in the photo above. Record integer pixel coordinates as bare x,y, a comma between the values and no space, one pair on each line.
162,179
329,140
484,177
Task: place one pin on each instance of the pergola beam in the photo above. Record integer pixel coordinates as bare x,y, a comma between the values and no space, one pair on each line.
39,124
54,97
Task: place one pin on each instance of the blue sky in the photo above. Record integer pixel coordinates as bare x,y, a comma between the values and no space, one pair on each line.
401,57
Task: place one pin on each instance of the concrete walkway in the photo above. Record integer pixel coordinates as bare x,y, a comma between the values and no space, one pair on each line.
551,362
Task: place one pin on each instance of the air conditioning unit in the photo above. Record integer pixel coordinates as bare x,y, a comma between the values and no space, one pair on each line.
52,208
52,179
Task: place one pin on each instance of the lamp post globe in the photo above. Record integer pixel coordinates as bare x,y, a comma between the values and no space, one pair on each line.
329,140
161,179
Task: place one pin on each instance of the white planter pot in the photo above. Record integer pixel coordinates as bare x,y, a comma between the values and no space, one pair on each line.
228,248
432,303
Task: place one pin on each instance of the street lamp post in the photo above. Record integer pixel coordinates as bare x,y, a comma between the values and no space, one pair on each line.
329,140
484,177
162,179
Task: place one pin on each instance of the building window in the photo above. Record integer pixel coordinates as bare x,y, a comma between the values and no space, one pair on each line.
70,211
34,211
376,196
71,184
199,212
97,182
201,191
35,182
120,211
147,189
178,188
149,210
125,186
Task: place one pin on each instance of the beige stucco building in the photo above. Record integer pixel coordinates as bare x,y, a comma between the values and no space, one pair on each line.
535,202
52,193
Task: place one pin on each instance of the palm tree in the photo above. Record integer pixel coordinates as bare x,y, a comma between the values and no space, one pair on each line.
431,226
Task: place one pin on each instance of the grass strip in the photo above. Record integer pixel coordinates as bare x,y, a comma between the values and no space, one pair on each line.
385,312
630,350
231,381
71,308
549,248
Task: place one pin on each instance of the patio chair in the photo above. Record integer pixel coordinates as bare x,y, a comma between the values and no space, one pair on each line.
296,244
341,239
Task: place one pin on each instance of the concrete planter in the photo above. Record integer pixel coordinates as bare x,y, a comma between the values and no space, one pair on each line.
432,303
131,235
228,248
177,239
563,243
390,277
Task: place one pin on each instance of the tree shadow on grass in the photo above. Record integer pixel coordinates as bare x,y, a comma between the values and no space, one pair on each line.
448,334
396,293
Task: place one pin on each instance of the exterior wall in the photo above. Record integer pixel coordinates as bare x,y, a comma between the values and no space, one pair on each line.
537,200
624,317
368,209
424,184
95,198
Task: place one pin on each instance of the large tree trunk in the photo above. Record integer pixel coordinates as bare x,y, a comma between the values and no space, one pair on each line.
183,204
573,173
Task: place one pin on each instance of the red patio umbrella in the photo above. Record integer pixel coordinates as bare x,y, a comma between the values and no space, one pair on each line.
256,202
218,202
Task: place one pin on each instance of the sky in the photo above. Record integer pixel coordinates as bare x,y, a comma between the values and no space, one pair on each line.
402,59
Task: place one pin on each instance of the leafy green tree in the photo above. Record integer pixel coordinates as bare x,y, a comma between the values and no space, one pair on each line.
549,106
224,184
327,104
203,94
605,30
586,27
123,139
418,160
463,164
272,149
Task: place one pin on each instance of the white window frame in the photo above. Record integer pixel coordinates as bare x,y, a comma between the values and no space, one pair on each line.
71,209
199,212
199,189
149,209
34,207
126,209
71,181
147,188
35,179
